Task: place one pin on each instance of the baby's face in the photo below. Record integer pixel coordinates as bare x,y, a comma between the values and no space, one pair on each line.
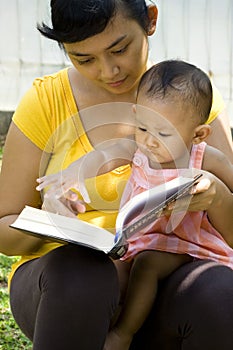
164,132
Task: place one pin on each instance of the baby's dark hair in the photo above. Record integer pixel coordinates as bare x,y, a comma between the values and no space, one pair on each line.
179,81
77,20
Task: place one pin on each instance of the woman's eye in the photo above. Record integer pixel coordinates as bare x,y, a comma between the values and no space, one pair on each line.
84,61
120,51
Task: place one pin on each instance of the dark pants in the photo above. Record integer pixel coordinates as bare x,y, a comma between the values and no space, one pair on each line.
65,300
193,311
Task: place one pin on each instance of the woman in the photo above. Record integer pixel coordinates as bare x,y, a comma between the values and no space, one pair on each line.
64,297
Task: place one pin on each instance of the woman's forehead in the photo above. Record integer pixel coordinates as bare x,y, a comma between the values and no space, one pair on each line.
118,29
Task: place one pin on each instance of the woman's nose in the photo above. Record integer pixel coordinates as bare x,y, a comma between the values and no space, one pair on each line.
109,70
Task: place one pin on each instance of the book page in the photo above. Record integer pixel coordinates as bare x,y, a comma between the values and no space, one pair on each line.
61,228
145,207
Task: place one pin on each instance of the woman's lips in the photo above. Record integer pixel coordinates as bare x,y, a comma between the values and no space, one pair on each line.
117,83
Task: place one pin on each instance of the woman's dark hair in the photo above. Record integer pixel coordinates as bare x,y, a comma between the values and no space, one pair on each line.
179,81
77,20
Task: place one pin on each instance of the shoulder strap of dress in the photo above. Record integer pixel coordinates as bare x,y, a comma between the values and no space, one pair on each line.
196,157
139,159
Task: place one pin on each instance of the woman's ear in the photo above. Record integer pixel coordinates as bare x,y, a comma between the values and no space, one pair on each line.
153,15
201,132
134,108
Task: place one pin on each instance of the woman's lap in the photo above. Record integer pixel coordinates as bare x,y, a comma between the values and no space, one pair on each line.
70,293
193,310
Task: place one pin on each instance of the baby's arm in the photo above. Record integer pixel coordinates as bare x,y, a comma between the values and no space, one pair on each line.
95,163
218,164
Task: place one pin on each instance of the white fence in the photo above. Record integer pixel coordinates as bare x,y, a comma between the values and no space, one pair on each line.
200,31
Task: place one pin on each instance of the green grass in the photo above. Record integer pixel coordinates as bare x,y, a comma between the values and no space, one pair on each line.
11,338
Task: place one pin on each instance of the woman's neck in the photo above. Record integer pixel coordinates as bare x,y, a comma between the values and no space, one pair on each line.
87,94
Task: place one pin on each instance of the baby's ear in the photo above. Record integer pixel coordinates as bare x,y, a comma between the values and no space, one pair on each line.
201,132
134,108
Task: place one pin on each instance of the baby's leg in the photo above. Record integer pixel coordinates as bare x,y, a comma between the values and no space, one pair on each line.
148,267
123,272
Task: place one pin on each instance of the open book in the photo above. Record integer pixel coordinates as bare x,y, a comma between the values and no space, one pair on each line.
143,209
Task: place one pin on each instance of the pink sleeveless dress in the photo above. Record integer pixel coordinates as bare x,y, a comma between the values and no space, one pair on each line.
189,232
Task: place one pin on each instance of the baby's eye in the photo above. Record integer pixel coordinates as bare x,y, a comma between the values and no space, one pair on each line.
164,134
142,129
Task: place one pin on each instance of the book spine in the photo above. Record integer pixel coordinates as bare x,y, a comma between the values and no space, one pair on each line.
119,249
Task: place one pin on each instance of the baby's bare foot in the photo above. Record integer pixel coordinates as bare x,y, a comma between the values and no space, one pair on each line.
117,341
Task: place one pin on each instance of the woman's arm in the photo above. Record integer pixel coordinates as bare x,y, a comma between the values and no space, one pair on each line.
220,136
20,168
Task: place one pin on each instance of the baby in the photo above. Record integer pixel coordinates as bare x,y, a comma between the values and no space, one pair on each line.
173,103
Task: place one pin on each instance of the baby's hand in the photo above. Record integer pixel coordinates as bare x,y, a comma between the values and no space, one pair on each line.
61,182
200,197
67,205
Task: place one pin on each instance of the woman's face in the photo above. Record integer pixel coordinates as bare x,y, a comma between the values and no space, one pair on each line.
114,59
